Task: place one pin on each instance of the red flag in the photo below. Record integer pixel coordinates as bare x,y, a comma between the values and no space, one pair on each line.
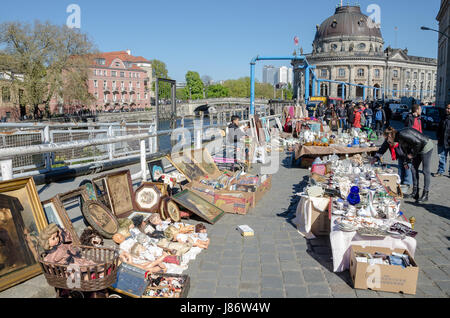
296,40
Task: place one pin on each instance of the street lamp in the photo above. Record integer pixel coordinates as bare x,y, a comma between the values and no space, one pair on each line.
429,29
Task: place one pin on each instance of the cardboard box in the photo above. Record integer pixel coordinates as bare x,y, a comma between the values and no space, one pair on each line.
258,190
235,202
246,230
320,222
391,278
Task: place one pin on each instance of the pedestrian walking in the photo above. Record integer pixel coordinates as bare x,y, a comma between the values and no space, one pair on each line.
380,120
368,113
443,136
342,115
320,112
388,113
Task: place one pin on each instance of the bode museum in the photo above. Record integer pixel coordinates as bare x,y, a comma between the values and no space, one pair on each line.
348,47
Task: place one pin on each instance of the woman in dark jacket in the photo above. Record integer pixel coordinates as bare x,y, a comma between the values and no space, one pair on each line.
418,149
397,153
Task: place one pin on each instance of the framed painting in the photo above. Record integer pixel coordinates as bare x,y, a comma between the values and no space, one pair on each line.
99,186
120,193
156,169
100,218
203,159
186,166
21,220
194,203
148,198
56,213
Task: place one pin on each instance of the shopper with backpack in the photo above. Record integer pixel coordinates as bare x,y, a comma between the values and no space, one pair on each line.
380,120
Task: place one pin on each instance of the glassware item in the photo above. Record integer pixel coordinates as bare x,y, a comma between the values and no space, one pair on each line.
354,198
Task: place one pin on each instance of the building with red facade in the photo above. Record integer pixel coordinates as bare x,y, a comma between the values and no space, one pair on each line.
117,81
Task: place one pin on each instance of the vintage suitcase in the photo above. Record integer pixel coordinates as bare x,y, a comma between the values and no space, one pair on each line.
132,282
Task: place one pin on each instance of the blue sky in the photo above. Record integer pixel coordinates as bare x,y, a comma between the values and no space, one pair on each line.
219,38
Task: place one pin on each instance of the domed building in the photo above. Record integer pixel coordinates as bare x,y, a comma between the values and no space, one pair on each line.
348,47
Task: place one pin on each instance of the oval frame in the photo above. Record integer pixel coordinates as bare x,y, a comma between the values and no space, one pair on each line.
162,210
172,210
90,219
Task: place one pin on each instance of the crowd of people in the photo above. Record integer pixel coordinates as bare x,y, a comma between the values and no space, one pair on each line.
409,145
366,116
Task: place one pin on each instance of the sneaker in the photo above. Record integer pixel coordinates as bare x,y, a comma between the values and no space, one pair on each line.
439,174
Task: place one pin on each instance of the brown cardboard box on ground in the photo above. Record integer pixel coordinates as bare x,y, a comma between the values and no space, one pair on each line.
320,222
391,278
257,191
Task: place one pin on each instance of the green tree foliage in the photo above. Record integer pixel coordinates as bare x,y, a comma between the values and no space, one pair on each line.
217,91
160,71
181,94
50,59
194,85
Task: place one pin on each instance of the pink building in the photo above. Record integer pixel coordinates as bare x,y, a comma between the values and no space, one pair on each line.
117,80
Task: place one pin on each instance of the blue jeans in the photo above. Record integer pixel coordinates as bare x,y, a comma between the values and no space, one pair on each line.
405,174
343,123
443,155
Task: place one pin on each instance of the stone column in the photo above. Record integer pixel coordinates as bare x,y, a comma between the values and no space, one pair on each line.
333,86
369,78
351,89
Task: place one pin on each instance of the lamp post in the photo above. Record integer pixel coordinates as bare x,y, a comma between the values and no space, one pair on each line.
429,29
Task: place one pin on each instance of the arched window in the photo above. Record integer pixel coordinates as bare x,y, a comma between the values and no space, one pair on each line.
323,89
360,72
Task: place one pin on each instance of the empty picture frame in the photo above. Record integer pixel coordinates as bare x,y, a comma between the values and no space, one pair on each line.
148,198
21,220
56,213
194,203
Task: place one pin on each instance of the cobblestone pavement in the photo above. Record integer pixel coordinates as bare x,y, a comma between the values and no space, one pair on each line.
279,262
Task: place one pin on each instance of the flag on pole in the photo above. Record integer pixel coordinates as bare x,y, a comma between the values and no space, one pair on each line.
296,40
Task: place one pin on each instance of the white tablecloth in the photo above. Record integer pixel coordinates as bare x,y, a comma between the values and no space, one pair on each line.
342,241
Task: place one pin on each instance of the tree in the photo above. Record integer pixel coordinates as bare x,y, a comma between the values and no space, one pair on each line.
194,85
217,91
181,94
45,57
160,71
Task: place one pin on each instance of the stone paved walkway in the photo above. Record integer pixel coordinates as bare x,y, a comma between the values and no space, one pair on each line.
279,262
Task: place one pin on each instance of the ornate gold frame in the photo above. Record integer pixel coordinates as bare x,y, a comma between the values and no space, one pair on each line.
41,222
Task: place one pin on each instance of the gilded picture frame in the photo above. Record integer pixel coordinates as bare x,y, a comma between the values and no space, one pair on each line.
21,219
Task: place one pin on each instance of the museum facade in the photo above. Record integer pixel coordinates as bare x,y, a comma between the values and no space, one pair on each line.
348,47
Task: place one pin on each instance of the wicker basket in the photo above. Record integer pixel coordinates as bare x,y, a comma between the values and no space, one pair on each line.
93,278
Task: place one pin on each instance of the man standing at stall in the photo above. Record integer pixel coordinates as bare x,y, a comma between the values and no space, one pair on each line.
380,120
414,119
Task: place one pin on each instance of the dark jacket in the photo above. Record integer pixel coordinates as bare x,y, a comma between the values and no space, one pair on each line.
234,133
411,141
385,147
342,112
409,120
328,113
319,111
350,115
443,133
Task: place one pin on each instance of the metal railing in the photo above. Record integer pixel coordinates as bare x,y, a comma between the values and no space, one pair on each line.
39,149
